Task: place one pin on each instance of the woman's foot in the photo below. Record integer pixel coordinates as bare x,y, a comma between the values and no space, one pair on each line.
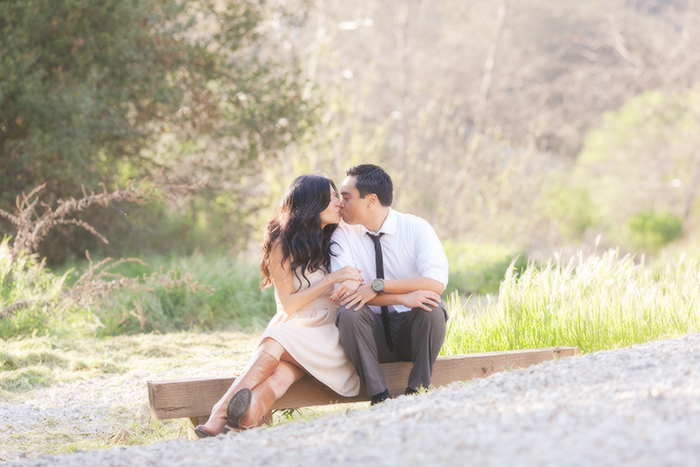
201,432
259,368
238,406
263,397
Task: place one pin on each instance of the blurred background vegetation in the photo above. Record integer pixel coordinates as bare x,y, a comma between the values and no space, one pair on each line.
518,129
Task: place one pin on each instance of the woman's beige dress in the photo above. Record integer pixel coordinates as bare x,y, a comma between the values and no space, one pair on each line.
311,338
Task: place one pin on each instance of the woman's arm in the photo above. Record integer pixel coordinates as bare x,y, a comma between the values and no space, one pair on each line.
283,281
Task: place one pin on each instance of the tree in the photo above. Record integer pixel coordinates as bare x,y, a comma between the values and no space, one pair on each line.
109,90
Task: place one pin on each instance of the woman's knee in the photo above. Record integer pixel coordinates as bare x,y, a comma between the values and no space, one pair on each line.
272,347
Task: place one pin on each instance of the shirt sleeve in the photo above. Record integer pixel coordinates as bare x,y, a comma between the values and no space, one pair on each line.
340,250
431,259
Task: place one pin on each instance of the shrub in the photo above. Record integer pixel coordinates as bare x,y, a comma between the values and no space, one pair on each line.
480,268
29,293
226,295
651,230
32,299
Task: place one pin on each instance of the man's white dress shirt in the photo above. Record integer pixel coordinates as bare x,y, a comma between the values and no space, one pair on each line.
410,248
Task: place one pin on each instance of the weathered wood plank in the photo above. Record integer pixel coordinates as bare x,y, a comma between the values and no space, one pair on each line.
195,397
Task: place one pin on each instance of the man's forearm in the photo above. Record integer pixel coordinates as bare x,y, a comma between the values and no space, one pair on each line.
385,299
401,286
424,299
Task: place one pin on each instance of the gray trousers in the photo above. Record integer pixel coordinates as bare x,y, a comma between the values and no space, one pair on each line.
418,336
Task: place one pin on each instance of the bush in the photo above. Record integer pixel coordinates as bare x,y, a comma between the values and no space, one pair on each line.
29,294
227,295
651,230
480,268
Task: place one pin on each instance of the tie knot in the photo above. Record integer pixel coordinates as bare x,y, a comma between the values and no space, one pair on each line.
375,238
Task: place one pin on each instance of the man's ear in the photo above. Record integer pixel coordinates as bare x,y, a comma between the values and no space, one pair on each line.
372,200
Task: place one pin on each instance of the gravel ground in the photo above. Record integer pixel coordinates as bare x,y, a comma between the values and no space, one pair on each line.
635,406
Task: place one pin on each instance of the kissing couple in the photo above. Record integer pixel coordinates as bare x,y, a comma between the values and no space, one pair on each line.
349,296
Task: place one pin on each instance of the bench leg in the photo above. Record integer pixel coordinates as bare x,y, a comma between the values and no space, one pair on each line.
192,423
268,418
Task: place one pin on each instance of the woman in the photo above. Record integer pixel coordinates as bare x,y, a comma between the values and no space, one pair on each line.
302,337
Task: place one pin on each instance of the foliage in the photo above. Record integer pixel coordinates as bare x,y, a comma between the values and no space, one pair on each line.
33,228
651,230
29,294
642,158
572,209
480,268
33,299
473,138
79,79
602,301
228,296
111,90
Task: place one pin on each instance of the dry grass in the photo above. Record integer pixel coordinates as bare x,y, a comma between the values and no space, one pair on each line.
34,219
91,393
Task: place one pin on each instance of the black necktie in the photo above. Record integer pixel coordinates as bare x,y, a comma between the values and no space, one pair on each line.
380,275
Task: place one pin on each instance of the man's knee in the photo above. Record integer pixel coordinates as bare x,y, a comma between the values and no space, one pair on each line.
437,315
348,318
432,322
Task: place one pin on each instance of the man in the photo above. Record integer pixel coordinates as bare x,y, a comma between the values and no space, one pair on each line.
396,313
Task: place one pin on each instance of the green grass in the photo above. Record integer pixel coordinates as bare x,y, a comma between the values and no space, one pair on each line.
233,298
597,302
25,279
229,299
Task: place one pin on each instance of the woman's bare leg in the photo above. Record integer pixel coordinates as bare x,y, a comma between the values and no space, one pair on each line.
264,362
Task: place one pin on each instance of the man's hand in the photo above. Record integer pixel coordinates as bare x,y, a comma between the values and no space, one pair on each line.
359,298
345,289
424,299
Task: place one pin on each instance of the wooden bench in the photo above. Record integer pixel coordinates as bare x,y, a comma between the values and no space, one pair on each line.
194,398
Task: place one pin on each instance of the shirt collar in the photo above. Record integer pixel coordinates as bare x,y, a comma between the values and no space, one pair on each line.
389,225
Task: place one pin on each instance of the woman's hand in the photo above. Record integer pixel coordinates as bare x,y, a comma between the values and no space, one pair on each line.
362,295
346,288
424,299
348,273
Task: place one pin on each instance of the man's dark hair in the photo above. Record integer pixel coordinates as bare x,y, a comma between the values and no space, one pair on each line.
373,179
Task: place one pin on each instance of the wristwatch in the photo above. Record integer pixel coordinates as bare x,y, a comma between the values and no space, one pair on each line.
378,286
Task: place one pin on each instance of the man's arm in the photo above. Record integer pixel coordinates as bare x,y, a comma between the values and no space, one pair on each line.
433,270
400,286
426,299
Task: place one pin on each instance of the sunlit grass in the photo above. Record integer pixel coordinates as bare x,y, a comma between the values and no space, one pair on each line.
233,298
110,374
601,301
30,362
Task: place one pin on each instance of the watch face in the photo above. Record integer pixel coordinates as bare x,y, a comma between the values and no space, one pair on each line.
378,285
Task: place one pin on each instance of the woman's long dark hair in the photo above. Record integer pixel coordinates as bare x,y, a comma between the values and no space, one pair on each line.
297,228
